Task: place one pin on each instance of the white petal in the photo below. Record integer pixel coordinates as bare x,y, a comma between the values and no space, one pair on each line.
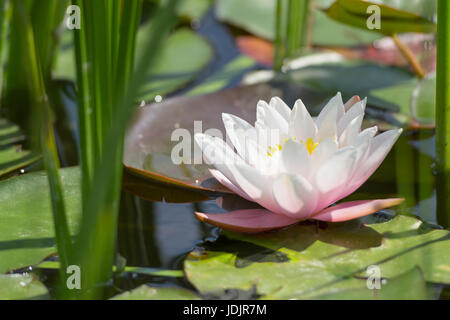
294,195
351,131
335,105
227,183
256,184
281,108
332,177
257,157
301,124
323,151
295,159
239,131
336,171
266,136
363,135
379,148
252,182
327,126
355,111
271,118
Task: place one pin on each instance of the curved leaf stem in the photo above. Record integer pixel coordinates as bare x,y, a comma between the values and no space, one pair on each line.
407,53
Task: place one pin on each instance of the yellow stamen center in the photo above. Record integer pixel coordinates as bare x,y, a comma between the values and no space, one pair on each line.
311,145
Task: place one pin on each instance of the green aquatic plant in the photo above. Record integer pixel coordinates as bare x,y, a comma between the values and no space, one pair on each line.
443,113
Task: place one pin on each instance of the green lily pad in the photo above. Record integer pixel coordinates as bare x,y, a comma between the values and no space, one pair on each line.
354,13
26,224
21,287
322,259
145,292
395,91
409,286
12,157
183,55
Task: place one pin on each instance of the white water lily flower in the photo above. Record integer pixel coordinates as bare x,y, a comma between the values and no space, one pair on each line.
296,166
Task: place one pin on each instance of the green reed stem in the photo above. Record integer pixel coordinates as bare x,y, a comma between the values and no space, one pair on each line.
3,19
443,113
297,25
291,24
279,48
40,103
106,104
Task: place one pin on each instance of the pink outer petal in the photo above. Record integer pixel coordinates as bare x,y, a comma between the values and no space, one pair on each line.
247,221
227,183
354,209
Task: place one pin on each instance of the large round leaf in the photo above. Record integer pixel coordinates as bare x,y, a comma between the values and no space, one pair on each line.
309,260
26,223
408,286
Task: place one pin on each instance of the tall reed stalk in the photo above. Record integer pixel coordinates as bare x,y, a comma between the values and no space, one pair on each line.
107,82
443,113
291,21
31,56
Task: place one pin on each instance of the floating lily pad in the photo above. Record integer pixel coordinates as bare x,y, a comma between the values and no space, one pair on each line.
354,13
145,292
323,258
26,223
409,286
183,55
21,287
12,157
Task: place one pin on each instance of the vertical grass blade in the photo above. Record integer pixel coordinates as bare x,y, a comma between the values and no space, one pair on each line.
101,193
443,113
40,103
291,24
279,36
